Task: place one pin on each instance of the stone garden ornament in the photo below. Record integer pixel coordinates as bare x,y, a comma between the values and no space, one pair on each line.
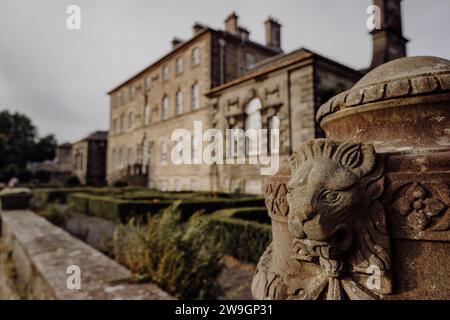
365,213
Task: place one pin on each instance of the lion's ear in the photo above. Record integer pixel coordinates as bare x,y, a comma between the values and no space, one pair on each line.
358,157
352,156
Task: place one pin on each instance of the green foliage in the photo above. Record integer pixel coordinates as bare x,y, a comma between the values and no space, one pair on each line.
174,254
19,144
256,214
121,210
55,213
244,240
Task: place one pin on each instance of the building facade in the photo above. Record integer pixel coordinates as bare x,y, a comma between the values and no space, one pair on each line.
89,159
224,80
170,94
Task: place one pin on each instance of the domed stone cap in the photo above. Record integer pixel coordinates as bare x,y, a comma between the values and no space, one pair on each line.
405,77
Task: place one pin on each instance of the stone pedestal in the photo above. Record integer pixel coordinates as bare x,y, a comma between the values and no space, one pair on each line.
365,213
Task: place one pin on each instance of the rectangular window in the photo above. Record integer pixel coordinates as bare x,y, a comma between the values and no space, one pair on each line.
250,61
122,123
195,57
148,83
195,97
179,103
114,126
179,66
163,152
146,115
165,73
130,120
165,108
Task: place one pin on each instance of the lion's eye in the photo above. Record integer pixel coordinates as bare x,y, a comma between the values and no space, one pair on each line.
330,196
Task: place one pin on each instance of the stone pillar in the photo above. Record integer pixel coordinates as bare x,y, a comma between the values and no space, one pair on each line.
365,213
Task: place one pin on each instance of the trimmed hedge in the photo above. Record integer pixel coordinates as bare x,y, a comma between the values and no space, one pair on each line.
120,210
256,214
244,240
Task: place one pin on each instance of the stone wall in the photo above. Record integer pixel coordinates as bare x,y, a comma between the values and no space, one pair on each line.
35,256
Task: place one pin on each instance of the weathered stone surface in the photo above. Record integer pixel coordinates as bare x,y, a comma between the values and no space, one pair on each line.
398,222
41,253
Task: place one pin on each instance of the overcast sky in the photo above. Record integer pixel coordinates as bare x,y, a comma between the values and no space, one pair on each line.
60,78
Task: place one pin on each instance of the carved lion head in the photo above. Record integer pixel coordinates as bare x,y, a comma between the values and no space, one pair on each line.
333,212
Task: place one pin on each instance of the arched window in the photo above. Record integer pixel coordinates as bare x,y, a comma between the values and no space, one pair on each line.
120,158
179,102
253,122
164,108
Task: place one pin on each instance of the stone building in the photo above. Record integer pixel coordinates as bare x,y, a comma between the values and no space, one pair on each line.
227,81
89,158
169,95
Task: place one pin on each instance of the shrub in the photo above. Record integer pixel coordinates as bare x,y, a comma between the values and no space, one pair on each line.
56,214
120,184
244,240
173,254
256,214
121,210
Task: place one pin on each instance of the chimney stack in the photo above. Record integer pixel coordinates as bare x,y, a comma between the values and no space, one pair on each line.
388,41
197,28
273,34
176,41
244,33
231,23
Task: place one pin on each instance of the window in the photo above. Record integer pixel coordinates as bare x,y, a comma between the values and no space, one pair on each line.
273,138
133,91
114,126
165,73
165,108
193,183
129,156
146,115
253,121
145,155
148,83
162,185
130,120
177,185
250,60
120,158
163,147
113,159
195,97
179,65
179,102
196,144
122,122
195,57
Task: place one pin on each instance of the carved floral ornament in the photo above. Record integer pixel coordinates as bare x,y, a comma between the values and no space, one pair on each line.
337,224
422,207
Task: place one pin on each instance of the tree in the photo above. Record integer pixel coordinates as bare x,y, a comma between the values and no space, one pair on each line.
19,144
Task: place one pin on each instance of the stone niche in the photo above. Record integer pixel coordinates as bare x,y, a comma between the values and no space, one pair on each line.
365,213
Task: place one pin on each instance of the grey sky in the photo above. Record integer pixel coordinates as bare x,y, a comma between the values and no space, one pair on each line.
60,77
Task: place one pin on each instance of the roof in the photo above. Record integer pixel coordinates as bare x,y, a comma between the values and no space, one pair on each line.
186,43
97,135
279,62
